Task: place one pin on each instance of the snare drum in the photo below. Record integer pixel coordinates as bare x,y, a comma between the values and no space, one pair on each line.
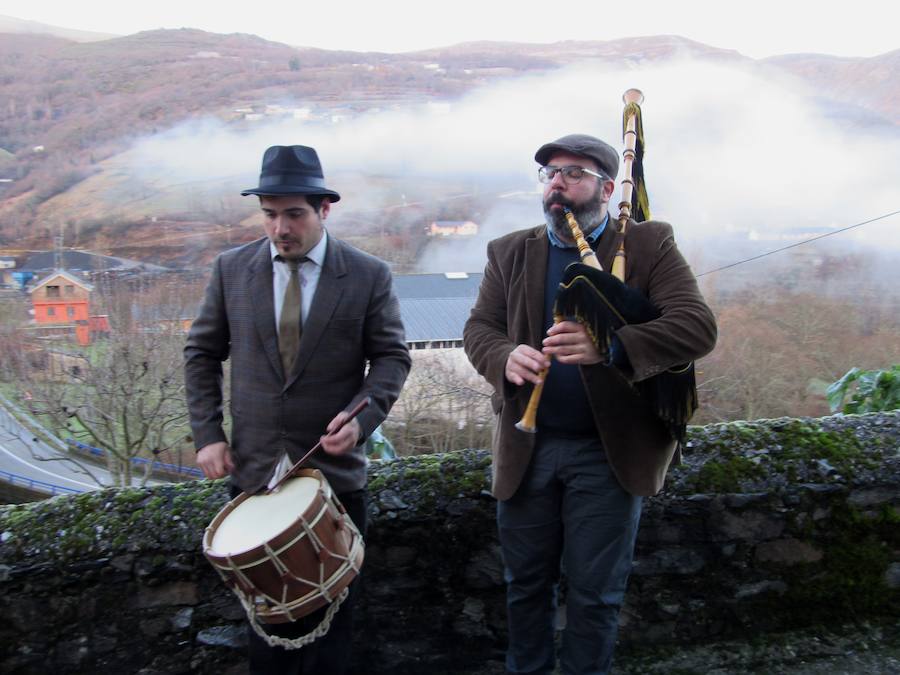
287,553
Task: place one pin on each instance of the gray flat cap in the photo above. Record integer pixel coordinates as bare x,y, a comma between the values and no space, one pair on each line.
603,154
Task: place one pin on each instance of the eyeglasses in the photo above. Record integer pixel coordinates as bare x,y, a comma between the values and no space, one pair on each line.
571,174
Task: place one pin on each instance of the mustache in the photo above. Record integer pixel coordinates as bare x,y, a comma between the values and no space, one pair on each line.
557,198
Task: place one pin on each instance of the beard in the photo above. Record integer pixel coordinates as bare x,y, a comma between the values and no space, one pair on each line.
296,244
587,214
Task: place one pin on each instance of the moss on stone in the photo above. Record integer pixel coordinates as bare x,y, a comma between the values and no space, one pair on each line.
126,496
734,457
850,579
428,483
106,522
805,440
378,483
726,474
833,449
18,518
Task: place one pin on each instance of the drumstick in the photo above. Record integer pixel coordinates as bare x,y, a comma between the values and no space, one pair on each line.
353,413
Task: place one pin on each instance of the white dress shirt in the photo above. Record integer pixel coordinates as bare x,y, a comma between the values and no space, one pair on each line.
309,272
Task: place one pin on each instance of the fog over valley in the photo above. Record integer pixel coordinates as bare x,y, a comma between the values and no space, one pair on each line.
732,154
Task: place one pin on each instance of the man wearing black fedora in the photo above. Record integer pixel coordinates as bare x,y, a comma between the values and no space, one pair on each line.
301,315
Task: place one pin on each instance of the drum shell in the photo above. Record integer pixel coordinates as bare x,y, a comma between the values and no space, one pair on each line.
331,556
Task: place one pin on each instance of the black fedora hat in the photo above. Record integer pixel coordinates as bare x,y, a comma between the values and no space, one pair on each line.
291,170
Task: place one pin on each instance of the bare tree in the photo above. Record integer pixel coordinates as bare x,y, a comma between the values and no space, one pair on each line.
444,406
124,396
777,351
124,393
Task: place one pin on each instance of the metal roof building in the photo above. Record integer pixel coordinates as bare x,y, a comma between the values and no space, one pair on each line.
434,307
85,261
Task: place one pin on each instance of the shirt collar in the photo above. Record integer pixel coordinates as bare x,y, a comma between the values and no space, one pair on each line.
316,254
592,237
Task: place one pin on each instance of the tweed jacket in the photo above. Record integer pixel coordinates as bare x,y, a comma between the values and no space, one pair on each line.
354,321
510,311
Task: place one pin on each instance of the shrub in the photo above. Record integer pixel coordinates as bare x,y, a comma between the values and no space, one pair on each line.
862,391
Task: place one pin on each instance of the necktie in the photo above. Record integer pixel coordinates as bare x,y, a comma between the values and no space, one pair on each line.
289,326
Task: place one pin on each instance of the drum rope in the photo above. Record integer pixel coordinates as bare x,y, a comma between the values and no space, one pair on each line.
283,606
312,636
238,573
285,571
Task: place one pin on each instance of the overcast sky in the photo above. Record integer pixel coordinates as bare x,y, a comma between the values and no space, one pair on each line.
757,29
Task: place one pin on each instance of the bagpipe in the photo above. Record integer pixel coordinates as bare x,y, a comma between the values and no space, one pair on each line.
603,303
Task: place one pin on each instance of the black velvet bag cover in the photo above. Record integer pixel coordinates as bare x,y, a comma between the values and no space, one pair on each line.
603,304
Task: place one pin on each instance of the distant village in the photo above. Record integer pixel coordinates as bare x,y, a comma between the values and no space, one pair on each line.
61,291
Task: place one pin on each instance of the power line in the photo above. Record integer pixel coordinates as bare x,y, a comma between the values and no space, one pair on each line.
799,243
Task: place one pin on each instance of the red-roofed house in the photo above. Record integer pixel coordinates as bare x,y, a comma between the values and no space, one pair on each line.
62,299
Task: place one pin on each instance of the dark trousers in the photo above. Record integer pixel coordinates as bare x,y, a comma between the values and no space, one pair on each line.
330,654
570,514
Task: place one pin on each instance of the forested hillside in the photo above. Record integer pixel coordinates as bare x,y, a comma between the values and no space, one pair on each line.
69,110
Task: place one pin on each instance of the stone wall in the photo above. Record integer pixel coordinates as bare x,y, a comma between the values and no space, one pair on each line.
767,525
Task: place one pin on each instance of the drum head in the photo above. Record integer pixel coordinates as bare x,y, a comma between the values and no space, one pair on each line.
259,518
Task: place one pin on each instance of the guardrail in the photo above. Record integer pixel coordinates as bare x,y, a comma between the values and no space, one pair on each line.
37,485
26,420
156,465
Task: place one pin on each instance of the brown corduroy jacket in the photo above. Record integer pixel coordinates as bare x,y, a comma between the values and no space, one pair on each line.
510,311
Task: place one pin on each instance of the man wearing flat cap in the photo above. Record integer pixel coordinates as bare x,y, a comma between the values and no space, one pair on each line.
301,315
569,496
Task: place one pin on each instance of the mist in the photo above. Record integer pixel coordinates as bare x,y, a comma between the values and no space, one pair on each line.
730,150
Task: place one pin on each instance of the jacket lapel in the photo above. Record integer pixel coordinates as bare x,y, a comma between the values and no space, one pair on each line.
535,274
259,281
328,293
606,247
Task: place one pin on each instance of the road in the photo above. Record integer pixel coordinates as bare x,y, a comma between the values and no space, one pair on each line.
28,461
